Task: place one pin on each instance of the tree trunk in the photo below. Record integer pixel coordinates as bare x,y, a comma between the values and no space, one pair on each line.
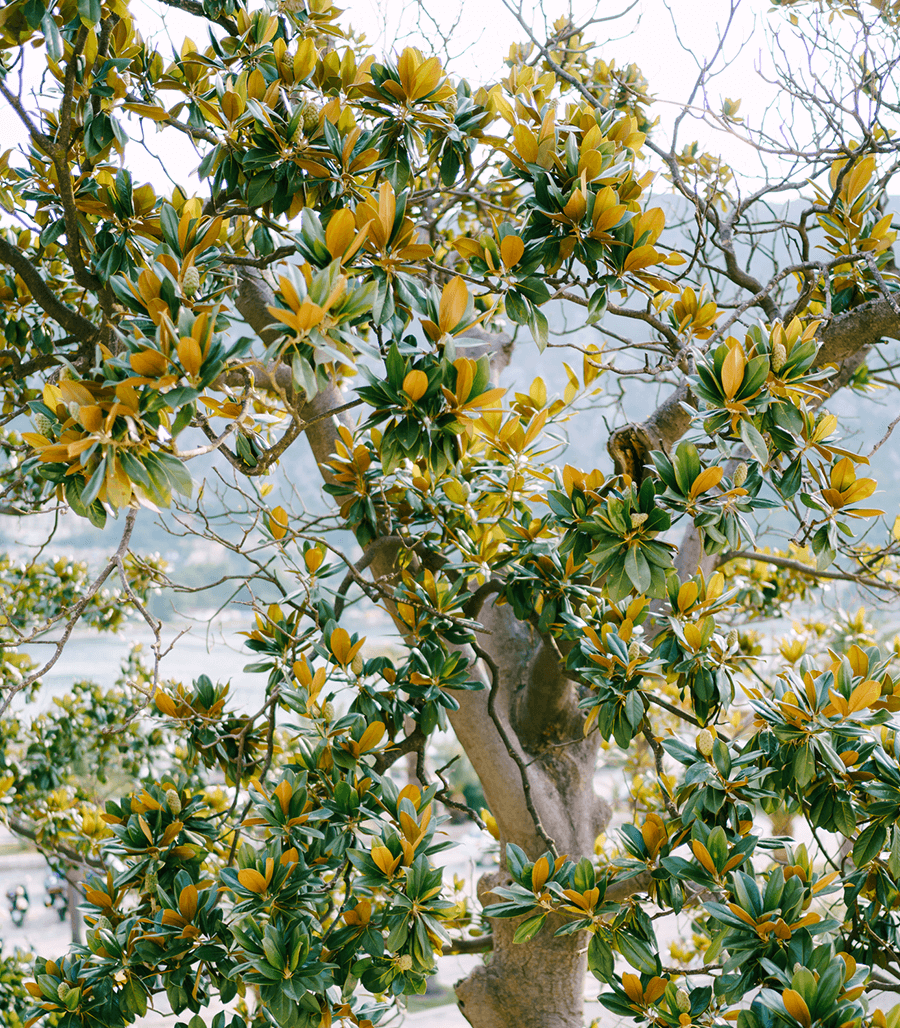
536,984
540,983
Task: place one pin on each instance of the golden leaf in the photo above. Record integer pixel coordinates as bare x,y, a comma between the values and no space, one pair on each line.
539,874
708,479
190,355
148,363
454,301
187,902
511,250
733,371
415,385
278,523
796,1006
251,879
372,736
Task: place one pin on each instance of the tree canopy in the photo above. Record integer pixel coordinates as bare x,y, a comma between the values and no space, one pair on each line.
365,240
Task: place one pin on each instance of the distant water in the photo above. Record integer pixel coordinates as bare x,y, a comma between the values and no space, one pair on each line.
98,658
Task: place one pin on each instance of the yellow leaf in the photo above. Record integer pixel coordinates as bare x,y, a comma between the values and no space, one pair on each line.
631,986
384,860
796,1006
190,355
733,371
371,737
843,475
511,250
864,695
187,902
465,376
251,879
415,384
340,645
148,363
313,559
278,523
454,301
708,479
702,855
539,874
642,257
164,703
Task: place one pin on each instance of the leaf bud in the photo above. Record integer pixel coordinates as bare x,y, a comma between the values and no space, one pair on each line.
638,519
779,357
683,1001
740,474
174,801
705,742
190,281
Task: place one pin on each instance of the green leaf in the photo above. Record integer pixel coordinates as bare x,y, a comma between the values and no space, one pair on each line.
869,844
529,928
601,962
637,953
637,569
754,442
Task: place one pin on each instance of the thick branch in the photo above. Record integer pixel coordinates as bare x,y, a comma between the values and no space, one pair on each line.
49,302
844,342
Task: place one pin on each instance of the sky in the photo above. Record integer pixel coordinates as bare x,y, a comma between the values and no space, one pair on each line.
665,40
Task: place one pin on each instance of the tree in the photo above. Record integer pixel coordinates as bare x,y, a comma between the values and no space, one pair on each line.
368,239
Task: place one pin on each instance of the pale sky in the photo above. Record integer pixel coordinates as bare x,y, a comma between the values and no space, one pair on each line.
482,31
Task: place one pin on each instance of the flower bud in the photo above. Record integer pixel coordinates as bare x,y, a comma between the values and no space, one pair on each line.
683,1001
740,474
357,664
451,104
705,742
634,650
779,357
190,281
103,924
62,991
584,611
638,519
327,709
404,962
43,424
732,639
174,801
309,116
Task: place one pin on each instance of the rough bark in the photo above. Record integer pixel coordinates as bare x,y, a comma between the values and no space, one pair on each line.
538,984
